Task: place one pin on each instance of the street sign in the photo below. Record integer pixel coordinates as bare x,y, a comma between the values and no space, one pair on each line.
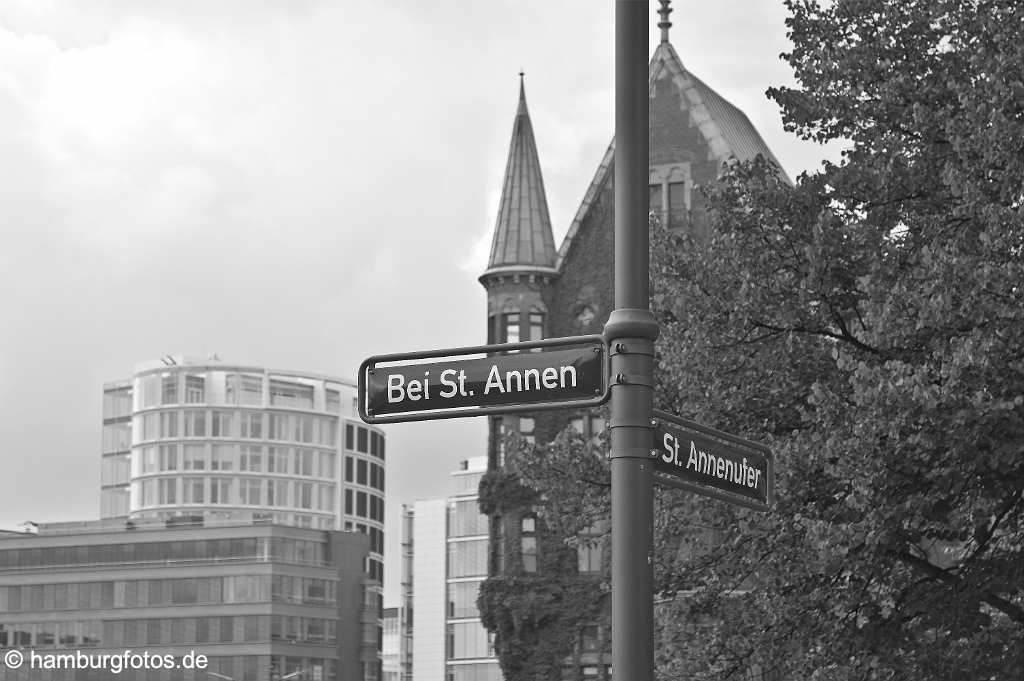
710,462
557,373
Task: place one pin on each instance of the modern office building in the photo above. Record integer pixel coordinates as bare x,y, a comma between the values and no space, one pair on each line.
396,654
197,437
262,602
450,547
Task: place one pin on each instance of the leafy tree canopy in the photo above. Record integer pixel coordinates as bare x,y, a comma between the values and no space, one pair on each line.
868,324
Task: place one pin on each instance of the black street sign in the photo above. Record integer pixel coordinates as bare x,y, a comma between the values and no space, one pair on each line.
557,373
710,462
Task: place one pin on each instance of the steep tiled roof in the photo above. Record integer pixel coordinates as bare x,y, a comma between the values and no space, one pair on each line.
719,120
727,130
522,235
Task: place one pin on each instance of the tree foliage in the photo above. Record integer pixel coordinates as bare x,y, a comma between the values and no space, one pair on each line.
868,324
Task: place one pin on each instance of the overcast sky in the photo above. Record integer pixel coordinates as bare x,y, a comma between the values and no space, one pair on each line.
291,183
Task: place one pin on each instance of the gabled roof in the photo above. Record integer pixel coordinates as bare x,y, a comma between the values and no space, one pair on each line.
727,131
522,236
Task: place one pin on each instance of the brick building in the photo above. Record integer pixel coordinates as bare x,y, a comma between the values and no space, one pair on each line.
537,291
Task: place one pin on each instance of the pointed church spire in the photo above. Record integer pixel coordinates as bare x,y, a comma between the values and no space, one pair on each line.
522,234
665,24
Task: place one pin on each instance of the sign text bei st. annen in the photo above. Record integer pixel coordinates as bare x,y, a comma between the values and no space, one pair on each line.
712,463
535,375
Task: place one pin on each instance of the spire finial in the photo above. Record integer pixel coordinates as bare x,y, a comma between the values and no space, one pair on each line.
665,24
522,93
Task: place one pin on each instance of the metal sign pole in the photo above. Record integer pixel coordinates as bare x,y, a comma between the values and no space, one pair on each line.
631,331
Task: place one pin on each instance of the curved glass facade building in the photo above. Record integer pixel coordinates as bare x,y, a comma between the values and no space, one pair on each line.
186,437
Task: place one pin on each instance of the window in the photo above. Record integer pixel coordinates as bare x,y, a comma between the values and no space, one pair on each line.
222,458
192,490
222,423
536,326
169,389
326,497
277,460
290,394
117,403
333,400
361,504
252,425
467,558
362,436
169,424
195,424
251,458
277,493
249,491
168,491
469,640
510,327
529,544
168,457
678,204
304,462
150,459
465,519
590,547
304,429
194,458
655,204
243,389
195,389
304,494
349,465
462,599
526,428
361,472
220,491
348,502
117,437
328,432
327,465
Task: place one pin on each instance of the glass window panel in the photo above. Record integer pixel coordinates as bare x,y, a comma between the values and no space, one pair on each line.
536,327
291,394
169,389
117,403
465,519
511,327
467,558
462,599
195,389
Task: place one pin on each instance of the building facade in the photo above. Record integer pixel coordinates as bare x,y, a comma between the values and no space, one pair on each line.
535,290
450,541
261,602
398,635
188,437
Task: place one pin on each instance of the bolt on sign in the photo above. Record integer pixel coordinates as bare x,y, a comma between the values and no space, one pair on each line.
557,373
712,463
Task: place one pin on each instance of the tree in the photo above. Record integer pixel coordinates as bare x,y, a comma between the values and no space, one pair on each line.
868,324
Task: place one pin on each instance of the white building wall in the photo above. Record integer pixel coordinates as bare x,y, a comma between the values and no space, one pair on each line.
429,571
